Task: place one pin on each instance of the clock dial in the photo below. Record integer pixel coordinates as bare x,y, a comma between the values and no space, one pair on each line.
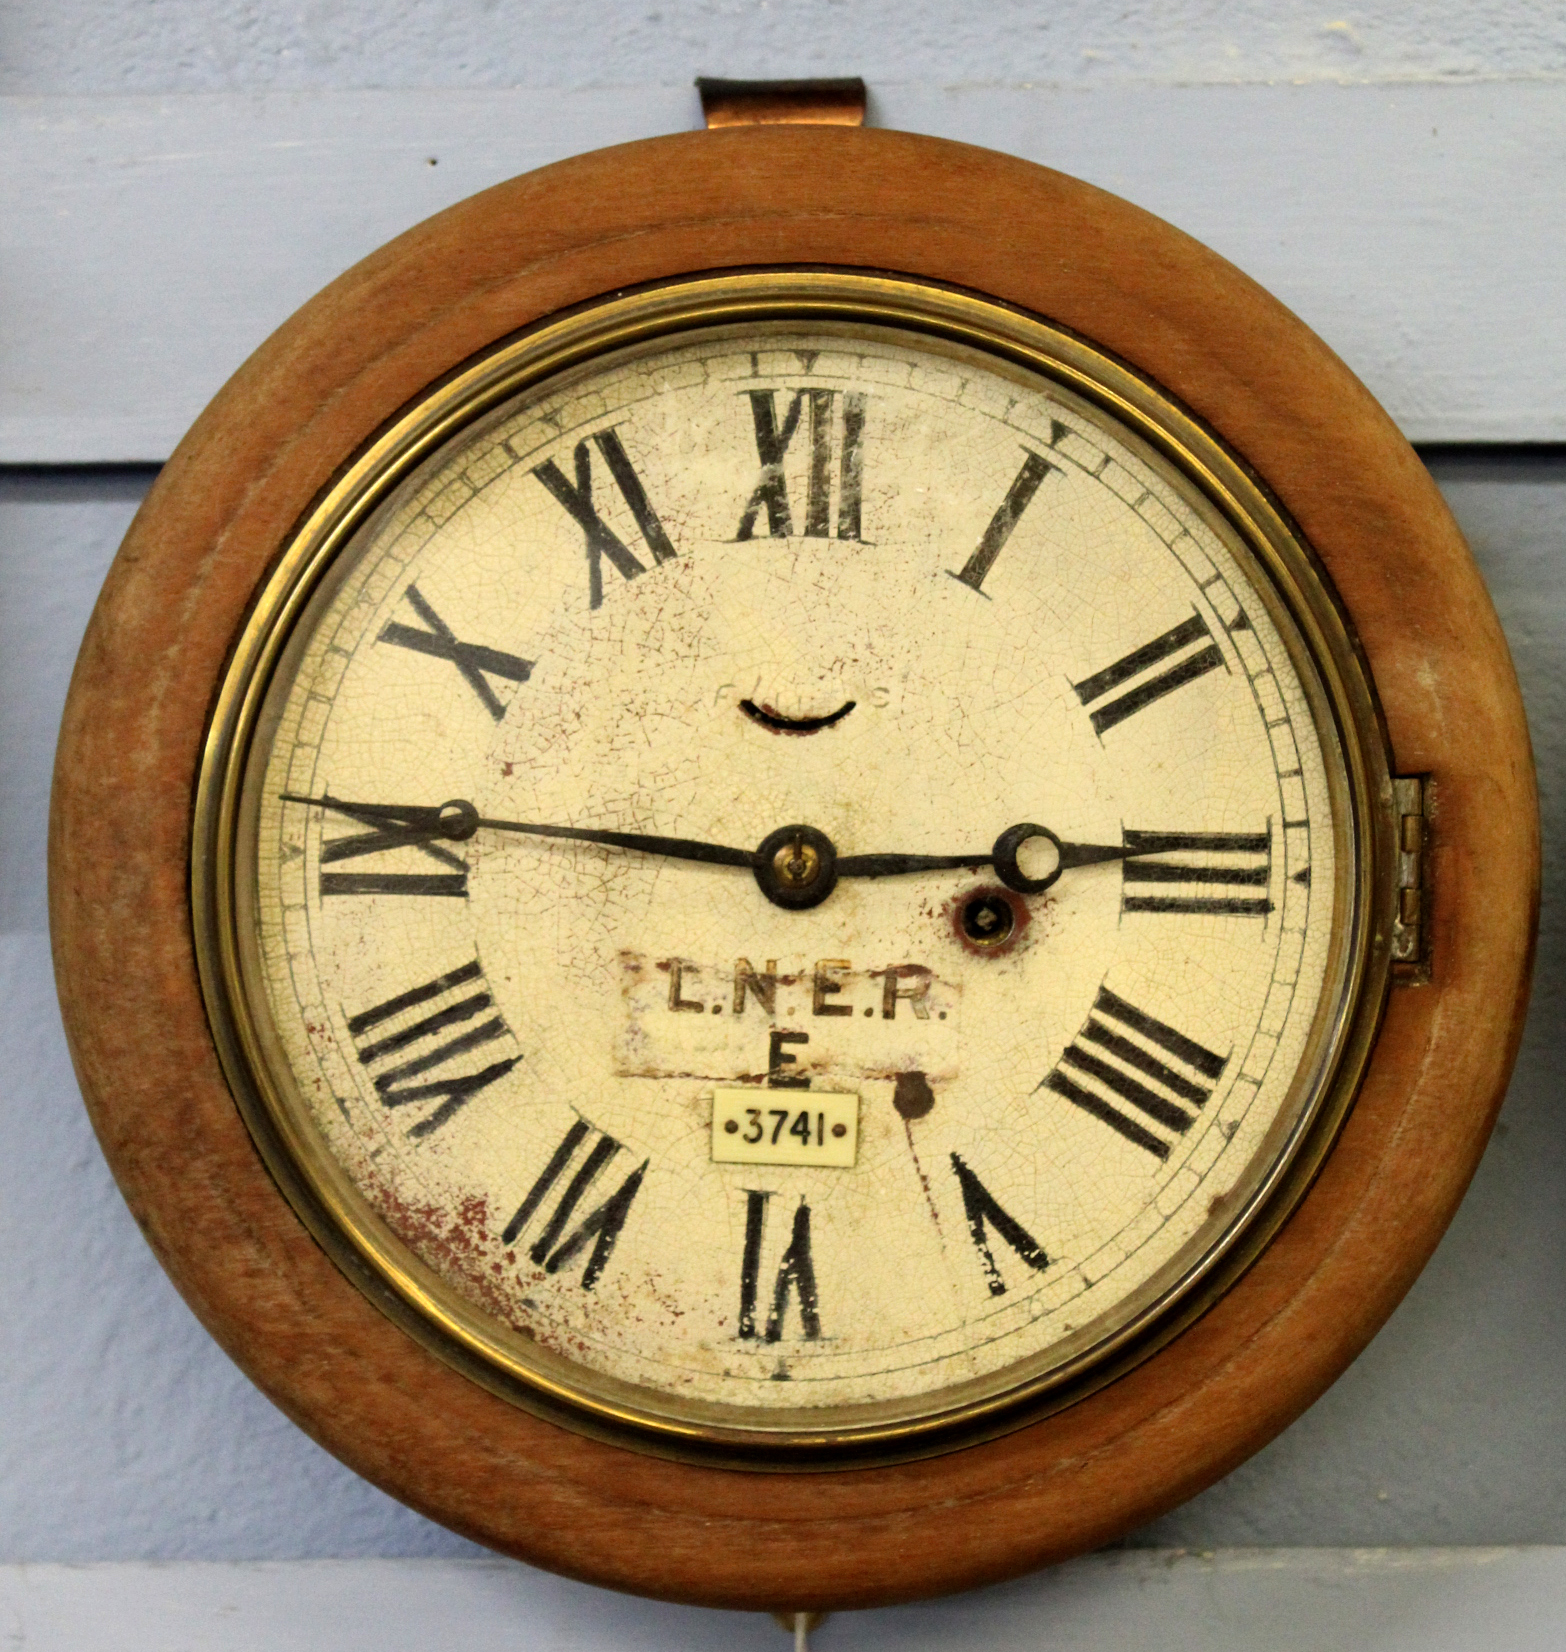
798,877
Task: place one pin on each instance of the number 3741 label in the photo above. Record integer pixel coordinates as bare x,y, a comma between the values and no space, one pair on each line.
756,1126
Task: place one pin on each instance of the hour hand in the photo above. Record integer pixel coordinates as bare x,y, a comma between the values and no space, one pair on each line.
1003,857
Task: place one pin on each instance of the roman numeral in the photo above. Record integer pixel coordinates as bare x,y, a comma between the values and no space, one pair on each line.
554,1248
602,541
390,828
983,1212
1018,497
1206,872
1191,657
1125,1057
472,659
772,444
796,1275
404,1043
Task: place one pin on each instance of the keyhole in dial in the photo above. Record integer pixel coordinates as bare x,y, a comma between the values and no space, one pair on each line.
987,920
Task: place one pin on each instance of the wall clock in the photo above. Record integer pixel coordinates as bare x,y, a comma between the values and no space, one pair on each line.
793,866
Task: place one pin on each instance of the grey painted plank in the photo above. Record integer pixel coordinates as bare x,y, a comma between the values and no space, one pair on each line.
1301,1600
147,244
145,46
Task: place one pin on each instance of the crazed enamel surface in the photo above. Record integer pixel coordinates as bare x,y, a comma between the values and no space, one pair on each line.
593,613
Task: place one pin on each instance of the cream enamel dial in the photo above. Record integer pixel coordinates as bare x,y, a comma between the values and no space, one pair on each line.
794,877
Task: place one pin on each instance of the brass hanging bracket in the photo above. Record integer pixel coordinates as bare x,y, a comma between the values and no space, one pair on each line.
782,102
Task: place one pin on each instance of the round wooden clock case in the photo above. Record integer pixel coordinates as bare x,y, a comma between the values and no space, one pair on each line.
138,714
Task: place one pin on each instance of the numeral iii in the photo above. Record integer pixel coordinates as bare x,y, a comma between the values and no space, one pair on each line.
1217,873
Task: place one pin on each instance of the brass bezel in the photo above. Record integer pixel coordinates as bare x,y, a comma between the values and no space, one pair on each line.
1341,1047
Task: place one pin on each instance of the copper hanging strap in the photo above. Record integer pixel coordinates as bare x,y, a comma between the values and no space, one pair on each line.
782,102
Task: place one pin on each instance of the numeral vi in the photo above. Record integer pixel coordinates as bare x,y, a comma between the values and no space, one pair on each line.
796,1275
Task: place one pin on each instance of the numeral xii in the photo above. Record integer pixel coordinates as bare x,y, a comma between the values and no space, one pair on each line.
772,444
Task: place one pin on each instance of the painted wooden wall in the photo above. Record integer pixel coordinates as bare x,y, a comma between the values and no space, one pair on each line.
180,177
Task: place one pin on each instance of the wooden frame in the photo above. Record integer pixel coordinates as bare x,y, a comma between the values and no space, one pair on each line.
157,647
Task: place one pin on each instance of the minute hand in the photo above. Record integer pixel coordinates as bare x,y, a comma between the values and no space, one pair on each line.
458,820
677,848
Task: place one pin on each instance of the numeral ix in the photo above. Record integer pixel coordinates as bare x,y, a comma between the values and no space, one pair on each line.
389,829
413,1061
1125,1058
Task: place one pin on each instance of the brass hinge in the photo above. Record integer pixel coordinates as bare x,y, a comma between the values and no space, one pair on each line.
1410,931
782,102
